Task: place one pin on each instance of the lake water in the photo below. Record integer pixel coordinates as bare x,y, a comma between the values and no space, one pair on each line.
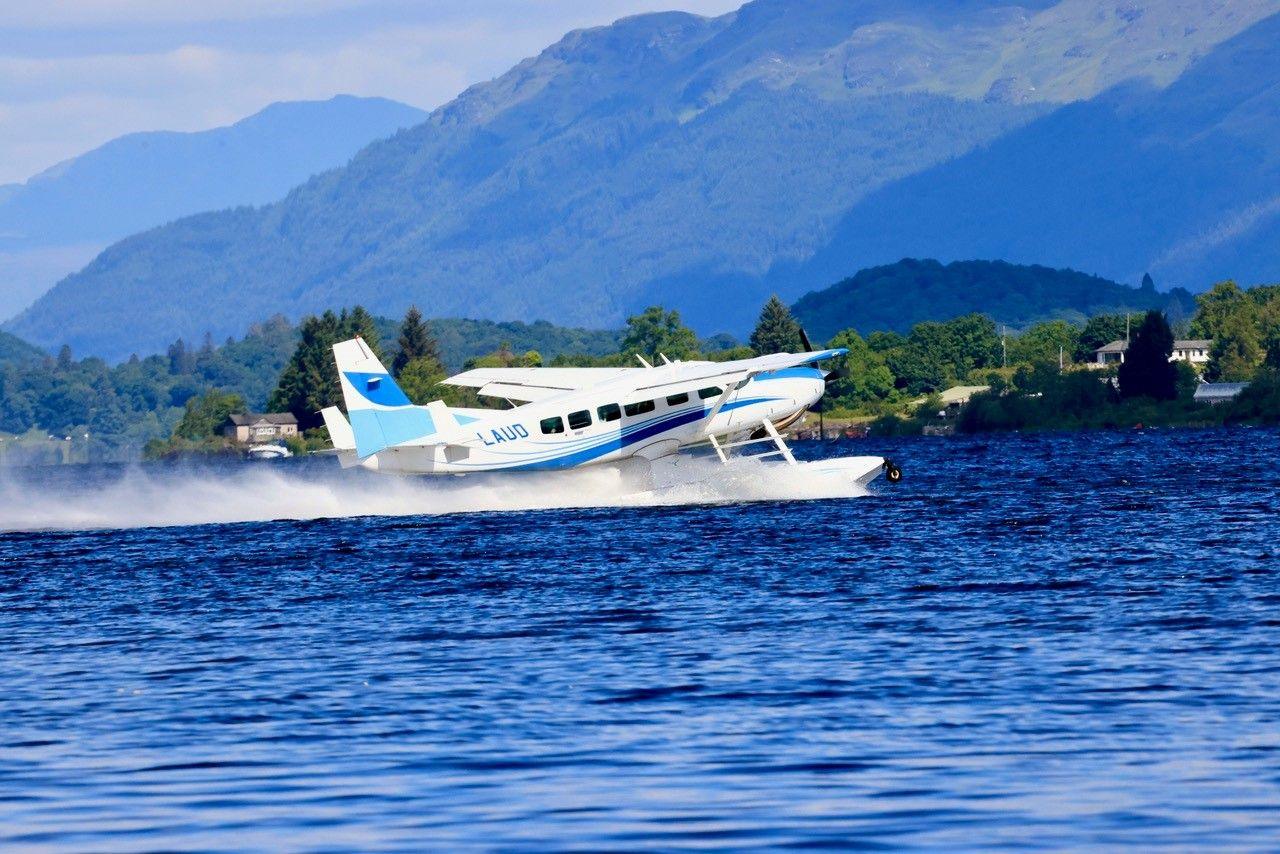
1031,642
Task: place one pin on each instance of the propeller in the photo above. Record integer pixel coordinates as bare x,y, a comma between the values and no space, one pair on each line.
826,377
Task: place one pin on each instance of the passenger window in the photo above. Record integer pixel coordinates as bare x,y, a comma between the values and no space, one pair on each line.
609,412
708,393
580,419
640,407
553,425
677,399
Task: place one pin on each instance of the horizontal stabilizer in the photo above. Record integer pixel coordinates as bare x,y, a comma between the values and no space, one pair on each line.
340,433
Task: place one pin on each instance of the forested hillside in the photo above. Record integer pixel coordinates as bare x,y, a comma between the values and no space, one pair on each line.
897,296
666,158
13,350
1182,182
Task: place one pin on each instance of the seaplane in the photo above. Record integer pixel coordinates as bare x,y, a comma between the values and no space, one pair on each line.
564,418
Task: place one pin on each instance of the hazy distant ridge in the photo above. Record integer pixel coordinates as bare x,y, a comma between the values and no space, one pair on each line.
53,223
697,162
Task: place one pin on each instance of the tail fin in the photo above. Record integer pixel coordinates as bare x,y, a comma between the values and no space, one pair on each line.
381,415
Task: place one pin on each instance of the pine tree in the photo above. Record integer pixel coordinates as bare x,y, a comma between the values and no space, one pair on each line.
1146,370
415,342
777,330
360,324
180,360
309,381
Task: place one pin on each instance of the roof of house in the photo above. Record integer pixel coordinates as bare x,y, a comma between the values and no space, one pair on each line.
248,419
1185,344
1218,391
959,394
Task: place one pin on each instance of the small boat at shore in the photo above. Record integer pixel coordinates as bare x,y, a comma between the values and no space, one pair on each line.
267,452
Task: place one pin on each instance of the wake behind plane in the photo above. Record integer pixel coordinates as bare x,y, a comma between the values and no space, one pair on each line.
563,418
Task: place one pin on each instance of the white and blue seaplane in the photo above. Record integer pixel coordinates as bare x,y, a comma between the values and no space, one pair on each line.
562,418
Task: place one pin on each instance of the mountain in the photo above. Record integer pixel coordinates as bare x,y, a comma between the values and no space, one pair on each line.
58,220
896,297
1183,182
698,162
13,350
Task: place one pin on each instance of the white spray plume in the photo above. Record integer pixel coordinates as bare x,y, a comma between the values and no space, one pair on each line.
145,497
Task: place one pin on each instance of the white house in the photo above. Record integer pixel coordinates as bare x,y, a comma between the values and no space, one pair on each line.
254,427
1193,350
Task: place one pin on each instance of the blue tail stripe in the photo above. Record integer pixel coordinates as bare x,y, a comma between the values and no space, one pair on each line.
379,389
378,429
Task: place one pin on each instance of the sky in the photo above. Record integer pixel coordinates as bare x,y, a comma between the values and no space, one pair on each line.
77,73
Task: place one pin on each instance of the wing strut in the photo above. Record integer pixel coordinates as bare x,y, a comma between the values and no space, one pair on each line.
774,436
777,440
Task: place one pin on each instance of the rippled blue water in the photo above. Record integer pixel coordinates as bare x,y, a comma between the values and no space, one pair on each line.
1032,642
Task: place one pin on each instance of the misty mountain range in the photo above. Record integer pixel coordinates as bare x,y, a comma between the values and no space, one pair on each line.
58,220
706,162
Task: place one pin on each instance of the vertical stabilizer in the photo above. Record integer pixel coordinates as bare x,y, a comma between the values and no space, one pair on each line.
381,414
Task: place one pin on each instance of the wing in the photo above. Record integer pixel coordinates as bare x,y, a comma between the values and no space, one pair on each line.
727,373
531,384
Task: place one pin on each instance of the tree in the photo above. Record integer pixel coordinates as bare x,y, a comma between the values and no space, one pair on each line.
883,342
360,324
1146,370
1099,331
1216,305
180,359
419,378
659,331
206,413
415,342
1043,342
976,343
776,331
861,375
309,381
1236,349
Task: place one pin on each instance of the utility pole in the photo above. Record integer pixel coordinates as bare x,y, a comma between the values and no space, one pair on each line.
1059,358
1004,351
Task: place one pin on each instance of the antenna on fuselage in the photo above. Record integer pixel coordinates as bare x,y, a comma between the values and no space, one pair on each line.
664,358
643,362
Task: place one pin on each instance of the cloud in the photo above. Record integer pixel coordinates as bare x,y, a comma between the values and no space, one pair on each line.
86,13
76,74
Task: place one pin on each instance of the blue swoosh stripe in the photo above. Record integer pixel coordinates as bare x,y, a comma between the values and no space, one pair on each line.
592,447
614,443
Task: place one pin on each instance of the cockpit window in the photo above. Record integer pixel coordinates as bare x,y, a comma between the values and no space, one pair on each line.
710,392
579,420
609,412
551,425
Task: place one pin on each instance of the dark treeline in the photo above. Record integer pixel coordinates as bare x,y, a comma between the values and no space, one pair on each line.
111,412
